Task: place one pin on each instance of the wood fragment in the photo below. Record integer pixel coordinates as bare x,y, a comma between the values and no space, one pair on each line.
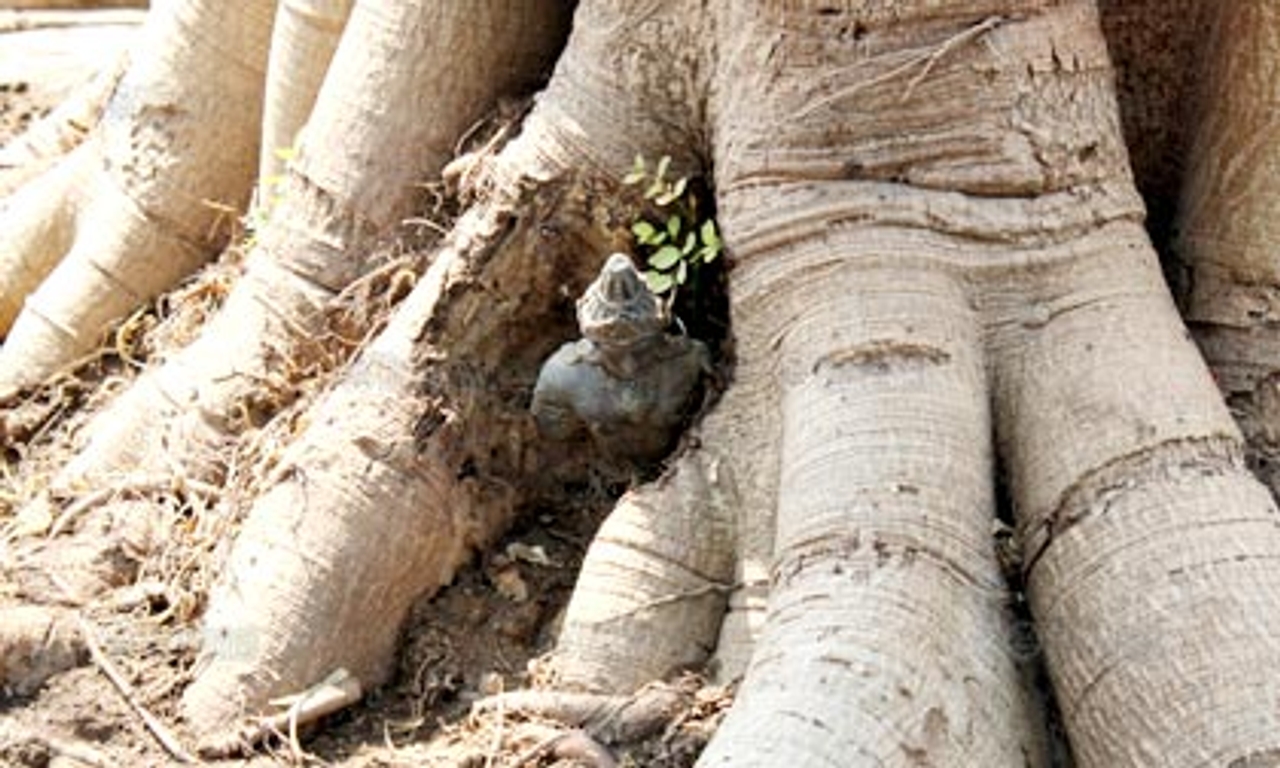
339,690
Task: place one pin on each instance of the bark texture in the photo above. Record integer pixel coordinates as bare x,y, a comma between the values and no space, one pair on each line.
936,239
130,213
387,124
406,467
303,43
401,508
1227,228
652,591
939,266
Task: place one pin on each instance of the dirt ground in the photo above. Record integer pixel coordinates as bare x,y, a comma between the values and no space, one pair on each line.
129,567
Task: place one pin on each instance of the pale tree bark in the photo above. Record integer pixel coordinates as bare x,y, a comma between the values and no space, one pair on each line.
938,264
306,35
136,207
398,517
1227,229
77,59
388,124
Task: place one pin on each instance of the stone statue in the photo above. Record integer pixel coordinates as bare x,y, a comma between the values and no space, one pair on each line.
627,383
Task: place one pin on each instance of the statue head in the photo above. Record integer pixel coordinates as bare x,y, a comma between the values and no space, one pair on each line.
618,310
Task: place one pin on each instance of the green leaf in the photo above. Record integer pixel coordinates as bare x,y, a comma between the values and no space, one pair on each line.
655,189
708,253
644,232
665,257
659,282
690,240
673,225
682,272
673,192
710,237
637,173
660,172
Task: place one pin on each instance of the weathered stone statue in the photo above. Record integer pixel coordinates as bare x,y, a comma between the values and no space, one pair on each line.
627,383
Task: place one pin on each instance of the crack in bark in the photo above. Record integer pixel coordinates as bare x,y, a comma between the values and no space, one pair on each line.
1091,495
882,356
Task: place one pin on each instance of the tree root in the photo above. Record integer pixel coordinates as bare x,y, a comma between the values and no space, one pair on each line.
138,185
336,692
405,465
62,130
655,582
610,718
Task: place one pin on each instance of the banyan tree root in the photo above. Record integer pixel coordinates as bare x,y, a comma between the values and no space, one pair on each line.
128,214
405,466
346,190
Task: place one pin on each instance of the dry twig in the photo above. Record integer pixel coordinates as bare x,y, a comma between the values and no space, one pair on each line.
153,724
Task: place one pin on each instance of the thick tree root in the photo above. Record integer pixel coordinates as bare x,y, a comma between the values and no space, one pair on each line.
302,44
335,205
130,214
655,582
406,465
247,363
51,137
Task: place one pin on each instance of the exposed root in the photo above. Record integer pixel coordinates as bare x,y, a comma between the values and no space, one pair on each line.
613,719
1092,494
408,463
338,691
64,128
136,185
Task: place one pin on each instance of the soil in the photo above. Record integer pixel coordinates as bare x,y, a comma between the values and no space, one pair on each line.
130,567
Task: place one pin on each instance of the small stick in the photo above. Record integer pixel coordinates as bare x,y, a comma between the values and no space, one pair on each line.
338,690
158,730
